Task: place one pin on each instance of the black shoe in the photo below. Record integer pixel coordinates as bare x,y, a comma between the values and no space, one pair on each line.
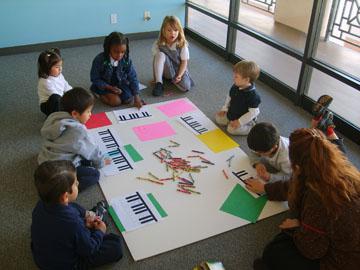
326,121
158,89
321,105
101,211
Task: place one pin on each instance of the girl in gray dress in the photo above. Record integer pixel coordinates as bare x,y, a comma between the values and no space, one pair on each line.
171,56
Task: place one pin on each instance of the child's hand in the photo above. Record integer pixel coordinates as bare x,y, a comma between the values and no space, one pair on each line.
137,102
255,185
289,223
107,161
99,225
89,219
114,89
177,79
262,172
221,113
234,124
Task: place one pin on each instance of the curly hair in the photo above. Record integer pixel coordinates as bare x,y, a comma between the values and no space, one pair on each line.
116,38
322,169
175,24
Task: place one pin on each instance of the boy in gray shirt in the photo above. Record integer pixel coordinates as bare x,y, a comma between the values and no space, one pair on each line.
67,138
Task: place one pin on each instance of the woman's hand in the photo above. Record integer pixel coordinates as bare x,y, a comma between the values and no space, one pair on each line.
289,223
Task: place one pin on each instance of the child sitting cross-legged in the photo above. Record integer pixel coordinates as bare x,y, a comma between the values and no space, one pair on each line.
66,137
242,103
63,234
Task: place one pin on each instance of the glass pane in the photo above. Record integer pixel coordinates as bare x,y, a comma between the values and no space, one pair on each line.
286,21
346,99
278,64
220,7
339,44
208,27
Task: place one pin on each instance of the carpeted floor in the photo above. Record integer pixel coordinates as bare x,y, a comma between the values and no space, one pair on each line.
20,140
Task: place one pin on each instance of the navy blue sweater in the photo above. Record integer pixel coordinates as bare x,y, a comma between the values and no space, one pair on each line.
59,236
241,101
101,74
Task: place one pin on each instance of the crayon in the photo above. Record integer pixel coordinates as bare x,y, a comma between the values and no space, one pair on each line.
199,152
150,180
226,176
157,178
184,191
192,191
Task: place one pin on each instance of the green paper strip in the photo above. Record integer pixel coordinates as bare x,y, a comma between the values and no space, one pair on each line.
157,205
116,219
242,204
133,153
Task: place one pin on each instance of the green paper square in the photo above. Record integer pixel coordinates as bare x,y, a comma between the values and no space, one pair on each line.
242,204
135,156
116,219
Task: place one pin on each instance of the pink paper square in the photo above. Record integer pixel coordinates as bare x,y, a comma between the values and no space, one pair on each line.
177,107
98,120
154,131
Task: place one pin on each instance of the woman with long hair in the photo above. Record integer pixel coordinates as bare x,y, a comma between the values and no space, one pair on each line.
325,193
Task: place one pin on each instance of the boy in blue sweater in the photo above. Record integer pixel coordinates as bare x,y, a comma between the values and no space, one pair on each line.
242,103
63,235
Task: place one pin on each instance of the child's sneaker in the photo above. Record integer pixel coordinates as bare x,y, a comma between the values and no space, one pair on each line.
158,89
326,122
321,105
101,210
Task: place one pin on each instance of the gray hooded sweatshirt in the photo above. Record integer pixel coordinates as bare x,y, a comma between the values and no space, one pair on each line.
65,138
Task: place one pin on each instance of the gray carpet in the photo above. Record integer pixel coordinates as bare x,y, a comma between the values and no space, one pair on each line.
20,140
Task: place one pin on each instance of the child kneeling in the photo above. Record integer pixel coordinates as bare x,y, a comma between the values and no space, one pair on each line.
62,235
67,138
241,105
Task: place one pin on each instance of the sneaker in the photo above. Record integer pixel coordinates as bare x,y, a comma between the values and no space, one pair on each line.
321,105
101,210
326,121
158,89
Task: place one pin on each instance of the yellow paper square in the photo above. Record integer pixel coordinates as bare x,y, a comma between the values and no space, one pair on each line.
217,140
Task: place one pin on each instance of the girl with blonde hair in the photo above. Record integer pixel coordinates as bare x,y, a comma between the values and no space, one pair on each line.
325,192
171,56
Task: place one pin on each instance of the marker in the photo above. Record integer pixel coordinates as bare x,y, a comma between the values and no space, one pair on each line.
226,176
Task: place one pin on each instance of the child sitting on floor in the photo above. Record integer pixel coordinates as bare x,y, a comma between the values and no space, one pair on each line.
52,84
66,137
63,236
113,74
242,104
171,56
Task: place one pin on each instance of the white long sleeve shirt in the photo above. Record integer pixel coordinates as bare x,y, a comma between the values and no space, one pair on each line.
52,85
279,161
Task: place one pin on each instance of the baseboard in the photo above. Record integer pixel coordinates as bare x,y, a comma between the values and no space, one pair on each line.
70,43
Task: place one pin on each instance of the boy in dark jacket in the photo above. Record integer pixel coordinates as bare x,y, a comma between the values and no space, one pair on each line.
63,234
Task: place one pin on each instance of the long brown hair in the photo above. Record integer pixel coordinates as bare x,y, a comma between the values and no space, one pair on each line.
175,23
323,169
